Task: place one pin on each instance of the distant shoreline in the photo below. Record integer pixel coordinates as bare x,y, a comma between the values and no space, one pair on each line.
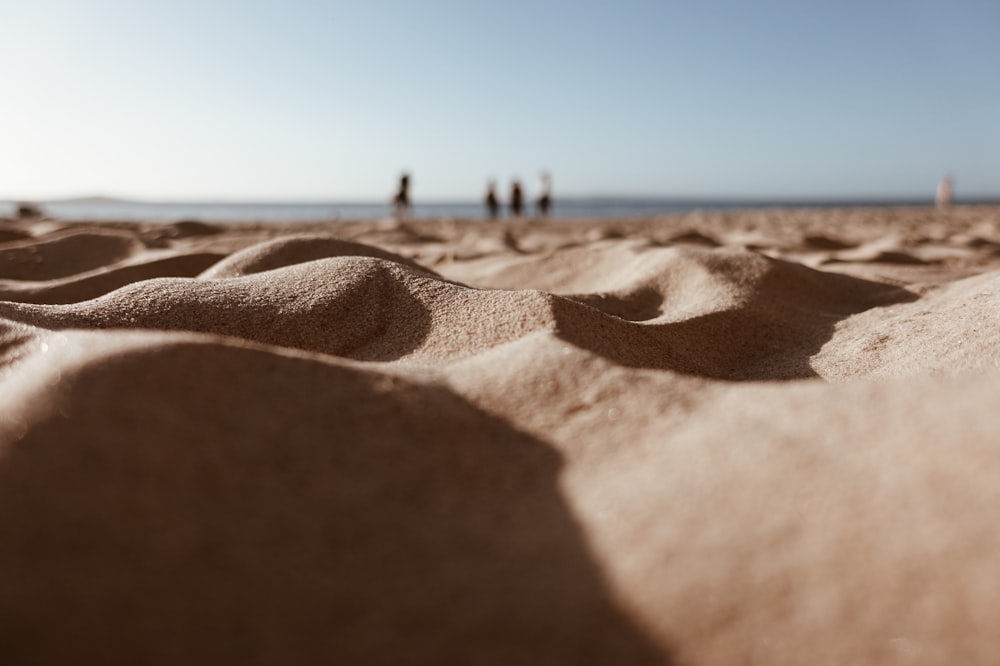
722,200
564,209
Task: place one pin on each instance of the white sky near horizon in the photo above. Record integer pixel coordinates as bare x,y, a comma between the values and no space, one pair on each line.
309,100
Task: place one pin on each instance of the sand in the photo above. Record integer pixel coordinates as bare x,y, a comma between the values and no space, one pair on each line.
767,437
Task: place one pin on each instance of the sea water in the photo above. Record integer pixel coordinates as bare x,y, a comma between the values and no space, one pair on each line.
618,207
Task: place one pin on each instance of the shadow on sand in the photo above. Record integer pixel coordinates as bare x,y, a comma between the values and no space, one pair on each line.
198,503
787,317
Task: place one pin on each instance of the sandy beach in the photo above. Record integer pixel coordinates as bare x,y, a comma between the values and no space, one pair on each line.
764,437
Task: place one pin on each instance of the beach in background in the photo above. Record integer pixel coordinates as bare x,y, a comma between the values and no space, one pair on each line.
705,438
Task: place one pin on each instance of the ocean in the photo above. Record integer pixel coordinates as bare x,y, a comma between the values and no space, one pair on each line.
620,207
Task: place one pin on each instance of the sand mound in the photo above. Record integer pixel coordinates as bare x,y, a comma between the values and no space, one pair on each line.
769,312
63,254
357,307
772,315
8,235
295,250
356,489
85,286
568,443
954,321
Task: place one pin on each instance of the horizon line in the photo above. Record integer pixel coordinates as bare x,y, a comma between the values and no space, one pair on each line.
685,198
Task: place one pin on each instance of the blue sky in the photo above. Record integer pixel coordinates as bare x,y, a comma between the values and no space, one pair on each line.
290,100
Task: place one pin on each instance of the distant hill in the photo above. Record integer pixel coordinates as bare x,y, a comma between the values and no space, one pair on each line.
89,200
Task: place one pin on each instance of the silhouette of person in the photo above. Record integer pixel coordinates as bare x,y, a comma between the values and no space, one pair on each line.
492,203
401,201
516,198
28,211
544,194
945,190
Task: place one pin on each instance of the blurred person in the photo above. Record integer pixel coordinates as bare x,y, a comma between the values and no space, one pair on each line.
401,201
945,191
516,198
492,203
28,211
544,194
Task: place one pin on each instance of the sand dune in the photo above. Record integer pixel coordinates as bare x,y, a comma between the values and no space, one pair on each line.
763,437
296,250
91,284
64,254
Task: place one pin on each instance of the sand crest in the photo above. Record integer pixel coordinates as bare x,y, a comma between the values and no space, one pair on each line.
706,439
